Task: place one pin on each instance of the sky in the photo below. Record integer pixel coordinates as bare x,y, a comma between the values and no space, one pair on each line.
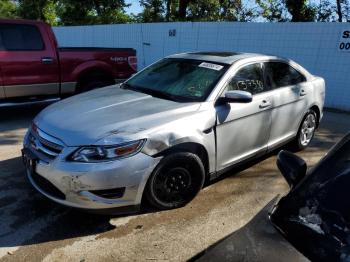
134,8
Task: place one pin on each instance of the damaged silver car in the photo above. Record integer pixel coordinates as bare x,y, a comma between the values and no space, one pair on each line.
161,134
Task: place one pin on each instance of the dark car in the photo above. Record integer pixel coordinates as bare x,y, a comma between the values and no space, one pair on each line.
315,215
313,218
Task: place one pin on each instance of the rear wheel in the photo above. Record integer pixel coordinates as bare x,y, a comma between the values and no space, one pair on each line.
175,181
306,131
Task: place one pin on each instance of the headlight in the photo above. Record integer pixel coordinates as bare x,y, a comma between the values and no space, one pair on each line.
107,153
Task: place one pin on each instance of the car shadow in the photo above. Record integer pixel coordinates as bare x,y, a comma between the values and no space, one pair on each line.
258,240
16,118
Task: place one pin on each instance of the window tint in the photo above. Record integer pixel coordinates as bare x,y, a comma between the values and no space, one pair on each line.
281,74
20,37
249,78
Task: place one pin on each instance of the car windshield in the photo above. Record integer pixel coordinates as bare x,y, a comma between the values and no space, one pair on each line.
181,80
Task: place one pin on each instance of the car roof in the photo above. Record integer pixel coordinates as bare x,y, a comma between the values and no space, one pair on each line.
219,57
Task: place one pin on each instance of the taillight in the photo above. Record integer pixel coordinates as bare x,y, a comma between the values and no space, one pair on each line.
132,60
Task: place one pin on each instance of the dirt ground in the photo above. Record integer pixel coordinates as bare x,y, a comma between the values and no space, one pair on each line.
33,228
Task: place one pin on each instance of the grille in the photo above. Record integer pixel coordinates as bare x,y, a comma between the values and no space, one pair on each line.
47,186
47,146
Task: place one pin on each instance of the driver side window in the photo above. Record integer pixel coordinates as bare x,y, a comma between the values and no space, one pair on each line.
249,78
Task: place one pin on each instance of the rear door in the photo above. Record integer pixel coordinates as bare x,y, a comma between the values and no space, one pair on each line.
243,128
28,63
289,100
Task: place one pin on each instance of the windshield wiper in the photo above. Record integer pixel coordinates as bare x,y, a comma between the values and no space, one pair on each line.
155,93
126,86
160,94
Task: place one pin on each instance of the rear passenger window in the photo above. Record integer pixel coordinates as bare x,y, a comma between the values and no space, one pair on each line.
281,74
20,37
249,78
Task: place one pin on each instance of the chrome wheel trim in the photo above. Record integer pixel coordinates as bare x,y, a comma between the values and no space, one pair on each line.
307,129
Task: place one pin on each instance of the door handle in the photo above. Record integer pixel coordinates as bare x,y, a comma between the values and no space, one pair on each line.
302,92
265,104
47,60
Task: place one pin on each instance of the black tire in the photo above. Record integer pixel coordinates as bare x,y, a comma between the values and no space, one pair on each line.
299,143
175,181
90,84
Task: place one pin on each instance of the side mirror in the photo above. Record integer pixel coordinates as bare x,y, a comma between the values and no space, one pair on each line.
237,96
292,167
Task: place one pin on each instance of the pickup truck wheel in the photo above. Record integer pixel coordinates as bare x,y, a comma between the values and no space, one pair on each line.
306,131
175,181
88,85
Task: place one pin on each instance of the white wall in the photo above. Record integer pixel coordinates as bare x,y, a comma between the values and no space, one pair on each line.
313,45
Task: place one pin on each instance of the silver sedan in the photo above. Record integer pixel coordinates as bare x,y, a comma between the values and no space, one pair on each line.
161,134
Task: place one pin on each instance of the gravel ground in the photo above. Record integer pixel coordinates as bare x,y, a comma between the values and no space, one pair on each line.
33,228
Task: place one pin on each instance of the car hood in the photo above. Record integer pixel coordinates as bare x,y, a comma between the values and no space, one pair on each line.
87,118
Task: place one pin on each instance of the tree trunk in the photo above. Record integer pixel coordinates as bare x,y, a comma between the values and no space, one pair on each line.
183,8
340,15
168,10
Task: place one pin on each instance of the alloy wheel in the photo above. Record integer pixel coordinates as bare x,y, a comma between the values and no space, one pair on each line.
307,129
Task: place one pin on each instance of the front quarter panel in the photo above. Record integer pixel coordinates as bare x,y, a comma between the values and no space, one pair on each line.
198,128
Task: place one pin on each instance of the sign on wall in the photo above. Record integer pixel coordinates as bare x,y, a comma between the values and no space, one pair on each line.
344,44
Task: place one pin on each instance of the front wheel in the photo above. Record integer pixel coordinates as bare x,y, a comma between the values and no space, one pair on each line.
175,181
306,130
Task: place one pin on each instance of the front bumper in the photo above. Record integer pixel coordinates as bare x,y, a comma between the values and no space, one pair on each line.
79,185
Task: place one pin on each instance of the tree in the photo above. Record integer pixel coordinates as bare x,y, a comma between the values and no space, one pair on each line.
343,10
204,10
8,9
273,11
346,10
169,4
326,11
300,11
183,4
92,12
235,10
339,12
153,11
44,10
219,10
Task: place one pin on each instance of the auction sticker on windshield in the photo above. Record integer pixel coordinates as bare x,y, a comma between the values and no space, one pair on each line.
211,66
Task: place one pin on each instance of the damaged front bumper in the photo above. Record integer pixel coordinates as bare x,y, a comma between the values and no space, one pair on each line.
92,186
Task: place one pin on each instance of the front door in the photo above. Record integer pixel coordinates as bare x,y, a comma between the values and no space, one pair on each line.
28,63
243,128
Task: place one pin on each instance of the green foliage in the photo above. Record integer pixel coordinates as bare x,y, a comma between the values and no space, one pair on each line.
153,11
204,10
92,12
8,9
273,11
190,10
43,10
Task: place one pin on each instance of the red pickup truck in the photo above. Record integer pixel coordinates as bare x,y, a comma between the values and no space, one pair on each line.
33,68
